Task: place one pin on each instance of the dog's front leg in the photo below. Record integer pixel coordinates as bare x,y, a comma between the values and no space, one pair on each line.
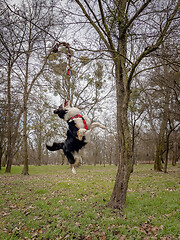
77,159
73,169
80,133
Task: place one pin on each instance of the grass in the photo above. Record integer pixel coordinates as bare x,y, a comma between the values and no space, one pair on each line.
51,203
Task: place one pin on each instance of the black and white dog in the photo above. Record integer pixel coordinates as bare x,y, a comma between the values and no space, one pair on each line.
78,134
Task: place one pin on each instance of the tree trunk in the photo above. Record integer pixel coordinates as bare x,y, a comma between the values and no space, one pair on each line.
175,150
25,145
39,144
25,151
163,127
133,148
9,130
1,154
39,151
47,156
159,153
118,197
167,153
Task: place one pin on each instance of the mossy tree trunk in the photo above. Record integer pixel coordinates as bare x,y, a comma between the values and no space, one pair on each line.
118,197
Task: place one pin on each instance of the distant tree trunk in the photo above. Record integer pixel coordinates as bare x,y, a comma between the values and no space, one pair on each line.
110,156
1,154
167,153
167,144
4,160
9,130
39,150
159,153
47,156
40,143
94,156
25,144
62,158
133,147
175,150
163,127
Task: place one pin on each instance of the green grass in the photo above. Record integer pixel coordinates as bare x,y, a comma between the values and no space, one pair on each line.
52,203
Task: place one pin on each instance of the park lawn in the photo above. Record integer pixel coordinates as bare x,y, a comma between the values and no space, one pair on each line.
52,203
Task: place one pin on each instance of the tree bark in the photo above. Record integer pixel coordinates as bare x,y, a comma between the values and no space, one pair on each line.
163,128
118,197
9,130
167,153
39,142
175,150
25,170
1,156
159,153
25,144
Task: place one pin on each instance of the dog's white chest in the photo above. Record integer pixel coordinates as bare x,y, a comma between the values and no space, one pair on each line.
79,123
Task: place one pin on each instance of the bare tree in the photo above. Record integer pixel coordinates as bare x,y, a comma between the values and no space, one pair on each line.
122,27
30,46
10,52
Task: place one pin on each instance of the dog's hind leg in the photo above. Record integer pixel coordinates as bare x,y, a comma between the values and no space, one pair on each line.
71,160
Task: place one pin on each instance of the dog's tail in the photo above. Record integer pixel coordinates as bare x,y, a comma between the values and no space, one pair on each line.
55,146
96,124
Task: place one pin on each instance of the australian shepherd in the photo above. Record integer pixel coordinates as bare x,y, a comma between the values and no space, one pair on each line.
78,134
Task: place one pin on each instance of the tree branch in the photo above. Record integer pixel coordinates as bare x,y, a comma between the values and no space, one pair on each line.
105,25
95,17
136,15
93,24
154,47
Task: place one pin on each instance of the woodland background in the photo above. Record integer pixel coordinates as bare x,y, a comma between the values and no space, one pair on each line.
33,82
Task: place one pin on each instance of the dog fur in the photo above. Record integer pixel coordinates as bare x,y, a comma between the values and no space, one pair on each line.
78,134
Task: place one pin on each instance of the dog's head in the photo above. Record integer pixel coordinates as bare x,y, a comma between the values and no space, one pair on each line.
62,110
65,111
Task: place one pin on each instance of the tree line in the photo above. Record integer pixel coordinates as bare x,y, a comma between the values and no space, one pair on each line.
125,73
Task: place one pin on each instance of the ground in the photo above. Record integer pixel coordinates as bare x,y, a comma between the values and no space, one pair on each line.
52,203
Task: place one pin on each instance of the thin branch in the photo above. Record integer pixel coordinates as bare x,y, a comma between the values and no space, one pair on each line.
93,24
152,48
136,15
105,25
95,17
25,18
